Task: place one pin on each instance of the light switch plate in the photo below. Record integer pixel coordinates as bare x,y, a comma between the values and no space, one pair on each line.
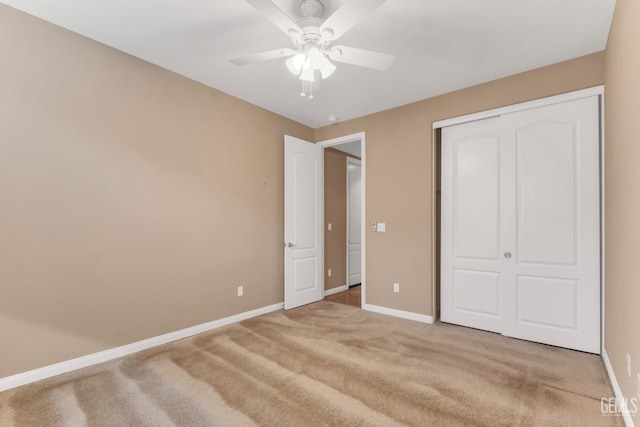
329,227
382,227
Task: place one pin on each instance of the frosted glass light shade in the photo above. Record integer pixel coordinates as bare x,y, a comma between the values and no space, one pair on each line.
308,73
296,62
321,62
305,66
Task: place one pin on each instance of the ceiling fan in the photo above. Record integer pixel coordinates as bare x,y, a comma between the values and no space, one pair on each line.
312,38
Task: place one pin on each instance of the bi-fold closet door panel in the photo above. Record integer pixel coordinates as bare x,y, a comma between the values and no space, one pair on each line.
521,225
472,238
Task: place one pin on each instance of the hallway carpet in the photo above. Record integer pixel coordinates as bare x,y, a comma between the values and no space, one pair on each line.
326,364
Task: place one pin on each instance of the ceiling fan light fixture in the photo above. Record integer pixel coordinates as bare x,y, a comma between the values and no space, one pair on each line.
296,63
305,65
320,62
313,56
308,73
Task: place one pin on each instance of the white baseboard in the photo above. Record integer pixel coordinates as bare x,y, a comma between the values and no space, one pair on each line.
620,400
125,350
398,313
336,290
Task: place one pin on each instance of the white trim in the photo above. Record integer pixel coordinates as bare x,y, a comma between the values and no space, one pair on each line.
360,136
125,350
363,230
398,313
621,403
335,290
602,222
570,96
435,231
343,140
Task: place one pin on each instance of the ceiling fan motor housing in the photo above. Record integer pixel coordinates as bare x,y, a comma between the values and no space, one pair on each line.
311,33
311,8
310,24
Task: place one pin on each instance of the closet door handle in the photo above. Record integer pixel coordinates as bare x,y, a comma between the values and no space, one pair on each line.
507,255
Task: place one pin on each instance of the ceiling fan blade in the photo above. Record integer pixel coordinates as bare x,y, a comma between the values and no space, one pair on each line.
262,56
348,15
361,57
276,16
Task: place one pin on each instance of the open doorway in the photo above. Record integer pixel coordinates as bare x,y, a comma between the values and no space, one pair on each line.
344,220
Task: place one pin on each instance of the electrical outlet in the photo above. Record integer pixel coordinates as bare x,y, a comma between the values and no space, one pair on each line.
374,225
240,291
396,287
329,273
629,365
329,227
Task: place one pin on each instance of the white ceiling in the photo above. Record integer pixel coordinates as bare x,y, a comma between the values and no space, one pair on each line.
352,148
440,45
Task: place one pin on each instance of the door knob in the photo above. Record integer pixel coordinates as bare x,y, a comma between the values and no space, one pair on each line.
290,245
507,255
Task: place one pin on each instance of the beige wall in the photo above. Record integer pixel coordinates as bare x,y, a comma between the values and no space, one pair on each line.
134,201
335,212
399,173
622,196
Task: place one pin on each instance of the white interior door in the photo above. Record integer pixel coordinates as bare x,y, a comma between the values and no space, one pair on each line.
471,283
521,224
554,270
303,219
354,221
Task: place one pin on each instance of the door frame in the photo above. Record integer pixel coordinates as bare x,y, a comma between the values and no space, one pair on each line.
355,137
436,160
351,160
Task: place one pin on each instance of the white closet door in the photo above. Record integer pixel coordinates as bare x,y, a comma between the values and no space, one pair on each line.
354,222
521,225
471,284
554,273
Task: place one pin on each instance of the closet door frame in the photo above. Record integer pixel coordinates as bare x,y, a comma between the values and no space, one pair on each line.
436,153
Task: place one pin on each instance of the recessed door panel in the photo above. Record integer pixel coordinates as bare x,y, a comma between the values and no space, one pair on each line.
305,171
305,271
547,302
354,266
546,188
476,292
476,193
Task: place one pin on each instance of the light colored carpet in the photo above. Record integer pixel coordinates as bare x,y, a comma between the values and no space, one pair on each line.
326,364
